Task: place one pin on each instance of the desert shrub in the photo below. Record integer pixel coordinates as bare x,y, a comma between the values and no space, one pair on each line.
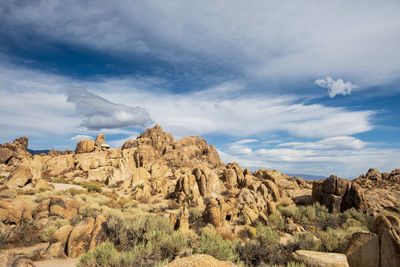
217,247
46,233
263,249
289,211
304,241
25,234
276,221
194,214
93,188
103,255
335,240
307,213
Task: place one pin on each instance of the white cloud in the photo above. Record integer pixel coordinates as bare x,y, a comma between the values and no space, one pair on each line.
80,137
262,39
322,157
338,87
102,114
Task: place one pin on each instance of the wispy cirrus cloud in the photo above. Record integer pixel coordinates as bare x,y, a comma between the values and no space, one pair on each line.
346,156
265,39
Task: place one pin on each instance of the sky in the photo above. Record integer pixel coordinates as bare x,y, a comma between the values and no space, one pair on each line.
306,86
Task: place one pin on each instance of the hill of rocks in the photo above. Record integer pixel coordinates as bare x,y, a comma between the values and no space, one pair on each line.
71,198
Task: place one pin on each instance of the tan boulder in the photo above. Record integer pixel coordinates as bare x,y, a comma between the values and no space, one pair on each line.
273,189
363,250
99,232
231,177
58,165
216,212
319,259
58,242
200,260
22,142
20,177
14,211
100,140
80,238
42,184
180,220
85,146
5,155
57,206
388,230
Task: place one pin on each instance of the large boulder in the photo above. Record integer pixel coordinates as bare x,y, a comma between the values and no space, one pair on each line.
86,235
22,142
200,260
319,259
363,250
388,230
56,207
100,140
5,155
20,177
339,194
58,242
85,146
14,211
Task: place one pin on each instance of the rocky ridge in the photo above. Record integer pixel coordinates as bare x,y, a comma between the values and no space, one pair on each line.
184,174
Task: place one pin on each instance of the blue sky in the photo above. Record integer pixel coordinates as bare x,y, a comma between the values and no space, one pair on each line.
300,86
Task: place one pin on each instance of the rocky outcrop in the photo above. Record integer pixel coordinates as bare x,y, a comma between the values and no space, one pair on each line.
381,189
56,207
388,230
85,146
58,242
74,241
14,211
20,177
180,220
363,250
12,153
320,259
200,260
339,194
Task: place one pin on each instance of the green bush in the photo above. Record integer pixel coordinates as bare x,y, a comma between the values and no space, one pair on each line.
194,214
103,255
304,241
151,238
217,247
335,240
276,221
264,248
46,233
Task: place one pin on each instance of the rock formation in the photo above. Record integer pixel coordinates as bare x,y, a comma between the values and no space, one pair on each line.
338,194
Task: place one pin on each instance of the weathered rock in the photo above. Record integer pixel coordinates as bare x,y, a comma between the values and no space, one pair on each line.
99,232
374,174
22,142
14,211
58,242
20,177
338,194
320,259
80,238
200,260
100,140
180,220
388,230
57,206
231,177
85,146
5,155
363,250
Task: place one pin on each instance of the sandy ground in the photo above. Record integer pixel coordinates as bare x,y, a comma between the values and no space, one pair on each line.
57,263
60,187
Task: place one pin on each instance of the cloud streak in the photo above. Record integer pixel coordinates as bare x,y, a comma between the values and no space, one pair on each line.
263,39
338,87
100,113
